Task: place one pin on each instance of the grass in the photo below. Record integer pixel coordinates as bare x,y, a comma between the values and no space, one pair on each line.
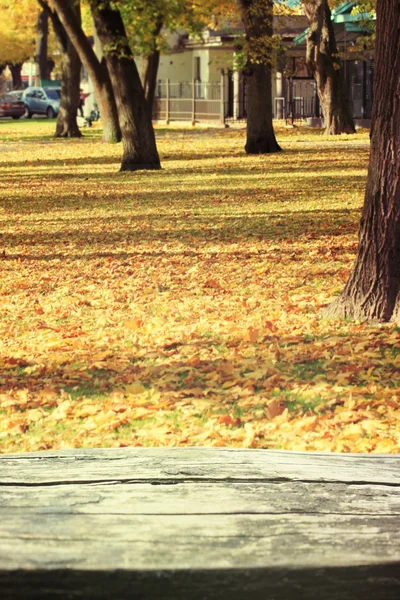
38,130
181,307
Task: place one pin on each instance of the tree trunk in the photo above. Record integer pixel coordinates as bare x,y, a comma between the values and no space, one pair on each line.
97,71
66,125
70,87
260,132
373,289
140,151
50,66
152,63
70,77
150,78
16,76
42,34
324,62
257,19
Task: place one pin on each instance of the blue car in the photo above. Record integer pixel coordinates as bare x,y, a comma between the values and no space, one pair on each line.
42,101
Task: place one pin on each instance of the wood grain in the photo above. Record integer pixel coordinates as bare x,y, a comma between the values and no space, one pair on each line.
141,464
199,523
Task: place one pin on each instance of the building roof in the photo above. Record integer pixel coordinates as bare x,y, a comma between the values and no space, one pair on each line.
288,27
347,25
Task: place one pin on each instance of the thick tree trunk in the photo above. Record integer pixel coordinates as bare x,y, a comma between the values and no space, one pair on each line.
140,151
260,132
42,34
257,19
324,62
97,71
16,76
373,290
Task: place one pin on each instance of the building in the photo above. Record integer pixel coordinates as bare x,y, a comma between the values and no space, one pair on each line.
199,81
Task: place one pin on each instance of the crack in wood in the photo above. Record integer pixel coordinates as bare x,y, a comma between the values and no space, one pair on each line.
201,480
203,514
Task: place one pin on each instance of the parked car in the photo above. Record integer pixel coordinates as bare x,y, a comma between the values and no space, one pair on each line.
11,106
16,94
42,101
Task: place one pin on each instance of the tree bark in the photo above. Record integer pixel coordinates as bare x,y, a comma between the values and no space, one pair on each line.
42,34
151,70
97,71
324,62
16,76
373,289
66,125
150,78
70,80
257,20
140,151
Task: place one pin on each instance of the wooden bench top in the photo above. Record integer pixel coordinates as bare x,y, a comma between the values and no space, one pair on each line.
199,524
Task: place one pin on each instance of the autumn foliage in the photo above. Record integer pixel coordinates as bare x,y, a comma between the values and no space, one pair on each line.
17,30
180,307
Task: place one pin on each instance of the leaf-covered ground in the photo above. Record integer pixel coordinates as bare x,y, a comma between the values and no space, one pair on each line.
180,307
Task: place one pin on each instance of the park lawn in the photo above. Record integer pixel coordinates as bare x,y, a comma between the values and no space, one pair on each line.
180,307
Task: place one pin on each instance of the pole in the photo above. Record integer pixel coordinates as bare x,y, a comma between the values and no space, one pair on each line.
193,103
222,108
167,103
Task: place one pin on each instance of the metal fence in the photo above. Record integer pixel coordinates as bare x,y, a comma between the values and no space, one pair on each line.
196,101
189,101
220,102
297,108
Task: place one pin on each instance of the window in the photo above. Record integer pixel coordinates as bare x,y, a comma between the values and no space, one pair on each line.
53,94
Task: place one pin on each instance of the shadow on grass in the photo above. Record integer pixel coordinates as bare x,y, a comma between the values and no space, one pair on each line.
186,154
189,154
238,185
153,229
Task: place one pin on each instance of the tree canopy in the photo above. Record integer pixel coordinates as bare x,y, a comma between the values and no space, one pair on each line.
17,30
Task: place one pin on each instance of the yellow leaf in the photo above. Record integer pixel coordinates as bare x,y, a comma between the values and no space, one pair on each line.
387,446
87,410
372,425
133,324
306,423
135,388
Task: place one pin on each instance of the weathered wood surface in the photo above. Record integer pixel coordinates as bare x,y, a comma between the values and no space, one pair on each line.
199,523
